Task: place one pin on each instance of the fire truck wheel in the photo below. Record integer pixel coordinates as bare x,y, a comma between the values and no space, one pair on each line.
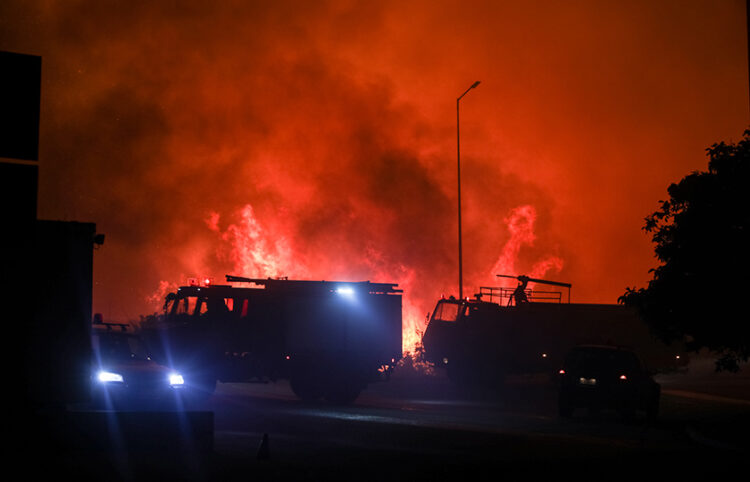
343,392
306,389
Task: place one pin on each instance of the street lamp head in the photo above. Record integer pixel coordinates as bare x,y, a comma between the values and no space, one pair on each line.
467,90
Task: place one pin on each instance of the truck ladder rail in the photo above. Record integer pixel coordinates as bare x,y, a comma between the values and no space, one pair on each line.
503,296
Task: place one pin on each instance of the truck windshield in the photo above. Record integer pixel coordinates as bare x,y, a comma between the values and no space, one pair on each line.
446,311
193,305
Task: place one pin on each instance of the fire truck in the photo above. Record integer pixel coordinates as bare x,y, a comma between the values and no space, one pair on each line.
506,331
329,339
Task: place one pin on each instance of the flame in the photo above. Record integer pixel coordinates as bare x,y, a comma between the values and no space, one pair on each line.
520,223
156,298
258,250
254,251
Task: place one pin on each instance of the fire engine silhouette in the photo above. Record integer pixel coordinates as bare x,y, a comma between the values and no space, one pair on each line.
328,338
507,331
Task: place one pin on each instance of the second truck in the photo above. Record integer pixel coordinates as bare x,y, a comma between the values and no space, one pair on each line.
505,331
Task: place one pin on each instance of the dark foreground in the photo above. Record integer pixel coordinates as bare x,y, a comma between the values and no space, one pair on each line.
412,428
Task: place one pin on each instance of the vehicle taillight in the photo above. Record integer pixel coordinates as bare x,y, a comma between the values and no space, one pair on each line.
561,372
623,377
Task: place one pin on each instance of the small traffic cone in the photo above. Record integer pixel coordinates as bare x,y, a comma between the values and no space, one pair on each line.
264,452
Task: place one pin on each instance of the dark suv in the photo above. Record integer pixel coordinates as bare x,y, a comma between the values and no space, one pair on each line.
124,376
606,377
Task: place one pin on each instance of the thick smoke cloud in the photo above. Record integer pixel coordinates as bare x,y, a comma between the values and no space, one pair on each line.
317,139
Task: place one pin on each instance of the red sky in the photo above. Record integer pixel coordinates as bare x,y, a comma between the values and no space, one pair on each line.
318,139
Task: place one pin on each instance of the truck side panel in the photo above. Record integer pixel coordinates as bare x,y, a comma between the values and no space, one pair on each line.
358,327
534,337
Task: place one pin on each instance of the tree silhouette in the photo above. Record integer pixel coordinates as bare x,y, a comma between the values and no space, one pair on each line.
699,292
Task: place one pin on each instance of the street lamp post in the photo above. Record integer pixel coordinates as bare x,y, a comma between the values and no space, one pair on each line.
458,158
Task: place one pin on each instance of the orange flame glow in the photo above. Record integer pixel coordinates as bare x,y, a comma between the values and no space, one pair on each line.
256,251
520,224
317,140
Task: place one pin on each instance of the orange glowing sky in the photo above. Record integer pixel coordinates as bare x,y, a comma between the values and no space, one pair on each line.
318,139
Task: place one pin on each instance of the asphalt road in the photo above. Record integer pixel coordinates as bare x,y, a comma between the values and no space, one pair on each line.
418,427
425,428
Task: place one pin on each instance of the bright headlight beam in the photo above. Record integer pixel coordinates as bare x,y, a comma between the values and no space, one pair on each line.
175,379
345,290
109,377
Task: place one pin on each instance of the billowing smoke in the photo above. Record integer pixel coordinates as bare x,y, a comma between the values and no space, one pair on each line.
318,139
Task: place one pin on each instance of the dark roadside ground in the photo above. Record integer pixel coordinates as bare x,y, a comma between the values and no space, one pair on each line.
713,408
708,415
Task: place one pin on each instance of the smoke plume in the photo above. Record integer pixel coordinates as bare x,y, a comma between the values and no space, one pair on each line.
318,139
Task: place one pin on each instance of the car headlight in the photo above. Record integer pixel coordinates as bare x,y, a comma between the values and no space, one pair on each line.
109,377
176,380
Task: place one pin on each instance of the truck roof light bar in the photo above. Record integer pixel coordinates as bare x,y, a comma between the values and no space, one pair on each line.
287,284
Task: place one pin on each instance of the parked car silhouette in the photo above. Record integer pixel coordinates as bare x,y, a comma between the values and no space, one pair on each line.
606,377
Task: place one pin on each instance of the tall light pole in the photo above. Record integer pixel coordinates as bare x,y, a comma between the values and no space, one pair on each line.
458,158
